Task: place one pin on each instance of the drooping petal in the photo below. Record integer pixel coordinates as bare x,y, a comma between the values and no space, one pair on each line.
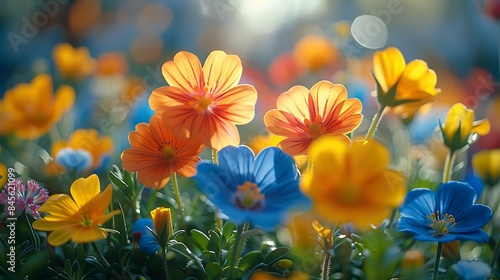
481,127
237,105
184,72
296,146
88,234
85,189
61,236
221,71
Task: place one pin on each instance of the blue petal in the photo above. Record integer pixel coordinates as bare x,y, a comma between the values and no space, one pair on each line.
419,203
479,236
217,184
472,270
267,220
431,238
237,161
78,160
455,197
274,168
409,224
147,243
472,218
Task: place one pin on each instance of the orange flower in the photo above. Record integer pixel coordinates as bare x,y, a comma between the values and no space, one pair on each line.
30,110
315,52
73,63
82,139
303,115
205,101
156,154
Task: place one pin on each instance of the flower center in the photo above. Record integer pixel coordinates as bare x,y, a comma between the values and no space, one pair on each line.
441,223
348,194
315,128
202,99
86,220
168,153
248,196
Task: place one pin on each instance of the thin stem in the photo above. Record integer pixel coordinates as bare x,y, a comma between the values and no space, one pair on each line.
34,237
436,262
178,200
498,46
237,248
165,263
448,166
325,266
100,256
374,124
218,219
493,261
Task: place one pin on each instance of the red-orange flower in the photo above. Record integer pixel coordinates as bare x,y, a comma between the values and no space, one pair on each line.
205,101
304,115
156,154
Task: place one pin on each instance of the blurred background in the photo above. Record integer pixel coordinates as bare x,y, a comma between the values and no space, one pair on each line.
281,43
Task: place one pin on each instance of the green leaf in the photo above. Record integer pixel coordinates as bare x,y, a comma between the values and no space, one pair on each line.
200,239
250,260
120,224
228,229
214,271
35,263
214,244
255,231
180,248
275,255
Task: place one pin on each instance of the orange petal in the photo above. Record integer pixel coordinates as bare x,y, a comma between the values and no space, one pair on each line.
283,123
184,72
184,121
98,205
64,99
295,101
237,105
84,190
168,97
221,72
325,97
220,133
296,145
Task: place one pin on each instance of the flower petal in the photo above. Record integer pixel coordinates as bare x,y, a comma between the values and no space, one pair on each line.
238,161
273,169
388,65
85,189
222,71
184,72
61,236
481,127
455,197
216,183
296,102
237,105
472,218
60,205
88,234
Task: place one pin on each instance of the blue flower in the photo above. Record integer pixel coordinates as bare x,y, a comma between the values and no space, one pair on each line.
147,242
472,270
446,215
78,160
246,188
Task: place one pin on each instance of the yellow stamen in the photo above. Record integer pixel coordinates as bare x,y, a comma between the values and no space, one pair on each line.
248,196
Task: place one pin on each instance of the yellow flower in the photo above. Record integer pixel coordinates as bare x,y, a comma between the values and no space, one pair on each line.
78,218
459,126
316,52
82,139
162,222
325,234
29,110
486,164
352,184
73,63
404,87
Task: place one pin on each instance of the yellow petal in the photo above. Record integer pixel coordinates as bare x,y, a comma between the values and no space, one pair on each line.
64,100
184,72
45,225
366,160
60,236
100,203
388,65
481,127
85,189
88,234
59,205
456,117
162,219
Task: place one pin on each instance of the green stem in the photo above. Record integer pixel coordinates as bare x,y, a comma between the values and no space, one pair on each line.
165,263
100,256
375,122
448,166
237,248
493,261
325,266
218,219
178,200
436,262
34,237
